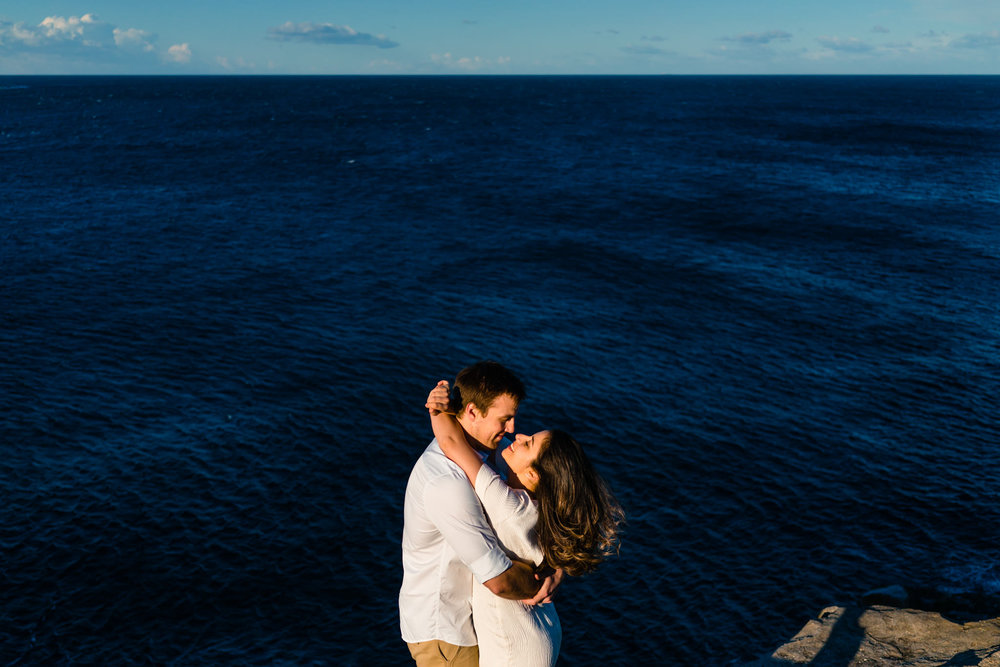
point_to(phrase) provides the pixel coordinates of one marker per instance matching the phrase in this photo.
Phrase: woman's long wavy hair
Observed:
(578, 517)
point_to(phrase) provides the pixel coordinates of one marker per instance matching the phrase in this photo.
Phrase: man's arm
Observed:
(453, 507)
(516, 583)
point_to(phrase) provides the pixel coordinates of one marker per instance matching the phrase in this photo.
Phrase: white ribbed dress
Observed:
(512, 634)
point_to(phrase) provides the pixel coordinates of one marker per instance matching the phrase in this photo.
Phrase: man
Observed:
(447, 540)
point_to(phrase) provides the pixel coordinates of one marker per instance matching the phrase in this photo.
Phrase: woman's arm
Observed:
(450, 435)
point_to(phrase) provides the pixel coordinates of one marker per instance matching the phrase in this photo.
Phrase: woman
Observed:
(554, 510)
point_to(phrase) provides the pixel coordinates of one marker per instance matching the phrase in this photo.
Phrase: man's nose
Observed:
(509, 428)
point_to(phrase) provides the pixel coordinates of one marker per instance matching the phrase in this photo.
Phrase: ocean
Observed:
(768, 307)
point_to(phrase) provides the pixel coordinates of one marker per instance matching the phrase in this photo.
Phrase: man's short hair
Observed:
(482, 383)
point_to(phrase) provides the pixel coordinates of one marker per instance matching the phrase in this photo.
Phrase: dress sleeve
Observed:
(453, 508)
(502, 503)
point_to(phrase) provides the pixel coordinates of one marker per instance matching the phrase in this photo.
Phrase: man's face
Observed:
(488, 428)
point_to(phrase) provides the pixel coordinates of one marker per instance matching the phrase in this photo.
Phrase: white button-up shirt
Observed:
(446, 542)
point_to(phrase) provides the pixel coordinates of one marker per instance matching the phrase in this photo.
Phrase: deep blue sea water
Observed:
(768, 306)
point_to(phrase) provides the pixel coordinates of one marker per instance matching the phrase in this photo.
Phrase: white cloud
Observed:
(79, 43)
(846, 45)
(58, 33)
(58, 27)
(238, 64)
(385, 65)
(931, 44)
(179, 53)
(14, 33)
(467, 64)
(135, 39)
(327, 33)
(821, 54)
(982, 40)
(645, 50)
(761, 37)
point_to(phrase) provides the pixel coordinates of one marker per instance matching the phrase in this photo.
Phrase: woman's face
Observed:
(523, 452)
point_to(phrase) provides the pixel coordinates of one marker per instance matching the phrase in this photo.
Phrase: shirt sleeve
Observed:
(452, 506)
(501, 502)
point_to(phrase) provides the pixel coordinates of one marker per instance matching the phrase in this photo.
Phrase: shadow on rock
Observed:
(900, 627)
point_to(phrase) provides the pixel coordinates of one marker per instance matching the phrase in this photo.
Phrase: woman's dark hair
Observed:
(578, 516)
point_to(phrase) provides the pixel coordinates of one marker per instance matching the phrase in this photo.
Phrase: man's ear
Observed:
(471, 412)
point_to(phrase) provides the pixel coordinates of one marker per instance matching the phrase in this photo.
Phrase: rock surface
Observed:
(853, 636)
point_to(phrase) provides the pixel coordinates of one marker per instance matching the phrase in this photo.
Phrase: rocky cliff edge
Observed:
(898, 627)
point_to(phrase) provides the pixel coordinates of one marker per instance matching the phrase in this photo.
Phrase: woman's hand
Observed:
(437, 400)
(551, 579)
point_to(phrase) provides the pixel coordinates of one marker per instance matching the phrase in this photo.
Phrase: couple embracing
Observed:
(477, 586)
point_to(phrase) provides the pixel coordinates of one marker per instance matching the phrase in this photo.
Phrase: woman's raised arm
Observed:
(449, 433)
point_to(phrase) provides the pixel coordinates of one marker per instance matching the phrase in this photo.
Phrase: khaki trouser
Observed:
(436, 653)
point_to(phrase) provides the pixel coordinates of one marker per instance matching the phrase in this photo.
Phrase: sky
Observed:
(500, 37)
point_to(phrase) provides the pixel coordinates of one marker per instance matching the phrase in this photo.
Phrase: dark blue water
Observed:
(768, 306)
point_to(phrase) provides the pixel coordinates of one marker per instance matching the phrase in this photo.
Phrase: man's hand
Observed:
(514, 582)
(549, 585)
(437, 400)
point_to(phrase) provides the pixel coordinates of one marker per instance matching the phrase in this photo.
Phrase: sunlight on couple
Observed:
(488, 538)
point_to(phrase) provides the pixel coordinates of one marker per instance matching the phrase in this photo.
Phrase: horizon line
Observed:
(497, 75)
